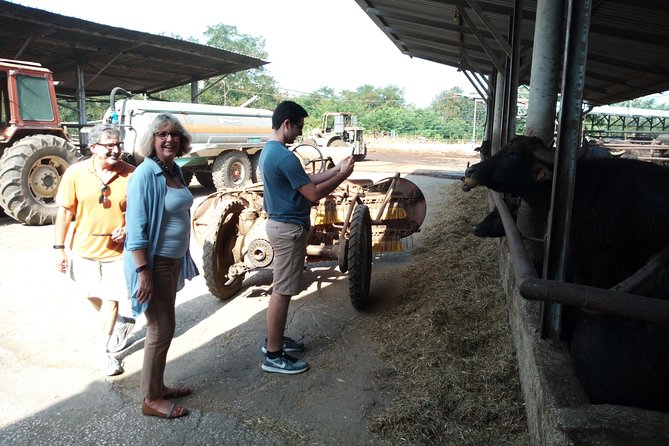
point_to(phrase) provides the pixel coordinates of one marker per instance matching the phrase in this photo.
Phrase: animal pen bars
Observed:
(575, 58)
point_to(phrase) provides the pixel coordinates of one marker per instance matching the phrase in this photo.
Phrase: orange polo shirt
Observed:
(80, 190)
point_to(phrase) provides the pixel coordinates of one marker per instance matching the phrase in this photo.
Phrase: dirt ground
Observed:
(52, 395)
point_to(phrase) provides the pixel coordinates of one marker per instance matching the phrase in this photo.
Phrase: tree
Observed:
(236, 88)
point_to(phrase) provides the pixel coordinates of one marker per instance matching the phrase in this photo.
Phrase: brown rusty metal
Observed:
(597, 300)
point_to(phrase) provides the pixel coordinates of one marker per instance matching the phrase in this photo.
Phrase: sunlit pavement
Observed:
(52, 395)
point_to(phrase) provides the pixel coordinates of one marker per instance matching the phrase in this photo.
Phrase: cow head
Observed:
(517, 168)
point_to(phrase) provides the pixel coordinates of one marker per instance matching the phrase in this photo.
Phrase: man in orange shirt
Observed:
(94, 192)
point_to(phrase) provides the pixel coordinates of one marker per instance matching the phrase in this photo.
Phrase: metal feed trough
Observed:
(358, 218)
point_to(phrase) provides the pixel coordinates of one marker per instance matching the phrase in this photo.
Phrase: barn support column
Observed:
(497, 124)
(542, 108)
(545, 74)
(81, 95)
(568, 140)
(512, 64)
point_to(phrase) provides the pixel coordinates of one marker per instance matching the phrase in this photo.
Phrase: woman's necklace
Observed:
(174, 173)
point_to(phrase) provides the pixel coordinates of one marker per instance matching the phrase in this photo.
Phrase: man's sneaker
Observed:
(109, 365)
(284, 364)
(120, 338)
(289, 345)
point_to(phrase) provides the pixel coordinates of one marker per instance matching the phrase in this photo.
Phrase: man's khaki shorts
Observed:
(289, 242)
(104, 280)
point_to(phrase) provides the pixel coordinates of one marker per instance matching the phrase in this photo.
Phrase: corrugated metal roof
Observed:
(109, 56)
(628, 49)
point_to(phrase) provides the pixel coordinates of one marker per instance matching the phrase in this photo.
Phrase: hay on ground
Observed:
(447, 341)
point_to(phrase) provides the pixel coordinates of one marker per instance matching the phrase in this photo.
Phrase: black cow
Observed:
(619, 220)
(490, 226)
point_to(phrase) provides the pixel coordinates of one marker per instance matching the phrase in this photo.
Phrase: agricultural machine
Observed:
(357, 219)
(339, 131)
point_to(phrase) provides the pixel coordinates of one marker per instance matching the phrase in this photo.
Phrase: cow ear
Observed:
(541, 174)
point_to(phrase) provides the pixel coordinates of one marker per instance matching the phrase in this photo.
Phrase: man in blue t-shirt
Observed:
(288, 194)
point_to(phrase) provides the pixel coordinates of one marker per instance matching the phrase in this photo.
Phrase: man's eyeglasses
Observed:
(111, 145)
(298, 125)
(163, 135)
(103, 196)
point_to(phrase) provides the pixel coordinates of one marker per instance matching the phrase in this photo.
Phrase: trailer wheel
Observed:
(30, 172)
(360, 257)
(205, 178)
(231, 169)
(256, 177)
(188, 176)
(218, 251)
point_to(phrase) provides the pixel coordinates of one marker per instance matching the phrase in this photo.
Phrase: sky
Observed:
(311, 43)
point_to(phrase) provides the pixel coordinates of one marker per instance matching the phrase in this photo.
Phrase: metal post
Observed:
(81, 95)
(545, 75)
(573, 81)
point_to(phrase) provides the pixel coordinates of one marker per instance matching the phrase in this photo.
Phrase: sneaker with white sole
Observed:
(289, 345)
(285, 364)
(120, 338)
(109, 365)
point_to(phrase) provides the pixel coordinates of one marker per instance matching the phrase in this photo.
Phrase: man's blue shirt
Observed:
(282, 175)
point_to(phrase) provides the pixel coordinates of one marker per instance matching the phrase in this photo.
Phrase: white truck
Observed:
(226, 141)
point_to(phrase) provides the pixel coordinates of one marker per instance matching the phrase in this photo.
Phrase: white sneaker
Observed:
(120, 337)
(109, 365)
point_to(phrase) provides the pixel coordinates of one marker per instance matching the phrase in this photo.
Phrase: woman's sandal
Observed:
(176, 392)
(173, 412)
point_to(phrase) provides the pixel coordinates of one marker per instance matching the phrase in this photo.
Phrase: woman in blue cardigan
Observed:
(156, 256)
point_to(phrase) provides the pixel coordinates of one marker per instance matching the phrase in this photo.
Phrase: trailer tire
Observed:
(205, 178)
(256, 177)
(218, 251)
(231, 169)
(360, 257)
(188, 176)
(30, 172)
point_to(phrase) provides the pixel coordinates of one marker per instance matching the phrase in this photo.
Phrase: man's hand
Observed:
(61, 261)
(118, 235)
(346, 166)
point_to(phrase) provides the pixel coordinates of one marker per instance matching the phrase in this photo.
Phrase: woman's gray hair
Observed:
(99, 130)
(159, 123)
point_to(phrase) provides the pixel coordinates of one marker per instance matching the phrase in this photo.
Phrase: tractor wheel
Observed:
(204, 178)
(337, 143)
(231, 169)
(218, 251)
(30, 172)
(361, 156)
(360, 257)
(256, 177)
(342, 256)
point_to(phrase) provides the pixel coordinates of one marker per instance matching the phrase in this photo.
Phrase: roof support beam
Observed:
(484, 44)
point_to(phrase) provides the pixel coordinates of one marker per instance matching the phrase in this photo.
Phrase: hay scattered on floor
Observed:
(447, 340)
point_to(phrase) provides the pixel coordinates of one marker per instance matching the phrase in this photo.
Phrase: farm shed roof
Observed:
(109, 56)
(628, 48)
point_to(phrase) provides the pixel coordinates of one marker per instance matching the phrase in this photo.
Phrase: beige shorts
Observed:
(289, 242)
(94, 278)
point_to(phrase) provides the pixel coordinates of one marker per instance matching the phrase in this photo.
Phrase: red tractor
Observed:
(34, 145)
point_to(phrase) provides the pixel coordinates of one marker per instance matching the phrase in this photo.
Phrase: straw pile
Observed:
(447, 343)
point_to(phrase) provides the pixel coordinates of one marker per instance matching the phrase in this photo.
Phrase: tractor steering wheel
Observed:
(311, 158)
